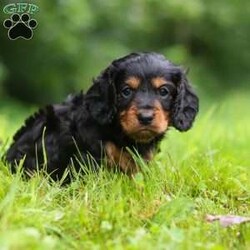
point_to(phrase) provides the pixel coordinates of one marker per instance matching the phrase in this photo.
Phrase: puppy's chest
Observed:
(122, 158)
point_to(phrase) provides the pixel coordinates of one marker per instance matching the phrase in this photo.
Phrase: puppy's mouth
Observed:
(144, 135)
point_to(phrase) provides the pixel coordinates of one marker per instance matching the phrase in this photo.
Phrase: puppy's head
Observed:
(145, 94)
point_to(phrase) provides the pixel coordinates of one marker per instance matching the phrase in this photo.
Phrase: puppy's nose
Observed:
(146, 117)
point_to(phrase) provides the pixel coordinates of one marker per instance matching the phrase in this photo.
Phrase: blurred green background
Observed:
(76, 39)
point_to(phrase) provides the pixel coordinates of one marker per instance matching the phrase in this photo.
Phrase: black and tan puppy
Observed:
(129, 106)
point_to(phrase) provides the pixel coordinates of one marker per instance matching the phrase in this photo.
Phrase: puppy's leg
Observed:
(121, 158)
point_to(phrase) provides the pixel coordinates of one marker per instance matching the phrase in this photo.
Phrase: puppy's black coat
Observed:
(131, 104)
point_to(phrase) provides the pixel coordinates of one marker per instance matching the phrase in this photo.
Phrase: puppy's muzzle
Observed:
(145, 116)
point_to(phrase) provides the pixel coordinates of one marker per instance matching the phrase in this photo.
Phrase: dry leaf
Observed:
(227, 220)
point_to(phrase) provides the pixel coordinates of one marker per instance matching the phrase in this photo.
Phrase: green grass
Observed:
(204, 171)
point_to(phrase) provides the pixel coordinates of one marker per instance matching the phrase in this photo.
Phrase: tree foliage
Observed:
(76, 39)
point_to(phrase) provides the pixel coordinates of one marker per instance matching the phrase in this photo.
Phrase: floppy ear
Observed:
(101, 97)
(186, 105)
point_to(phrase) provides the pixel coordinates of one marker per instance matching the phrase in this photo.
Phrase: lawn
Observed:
(204, 171)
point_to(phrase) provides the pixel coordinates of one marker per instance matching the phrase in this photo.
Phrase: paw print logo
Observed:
(20, 26)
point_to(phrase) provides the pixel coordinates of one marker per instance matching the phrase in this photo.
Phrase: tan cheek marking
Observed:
(157, 82)
(133, 82)
(128, 119)
(162, 117)
(121, 158)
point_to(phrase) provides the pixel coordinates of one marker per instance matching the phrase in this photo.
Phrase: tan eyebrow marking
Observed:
(133, 82)
(158, 81)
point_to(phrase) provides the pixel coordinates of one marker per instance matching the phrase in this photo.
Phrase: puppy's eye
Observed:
(163, 91)
(127, 92)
